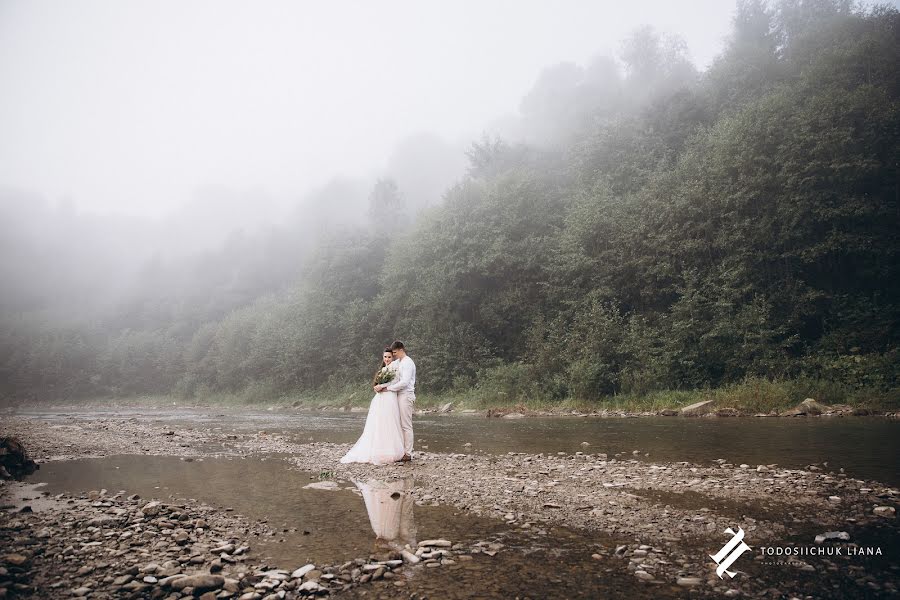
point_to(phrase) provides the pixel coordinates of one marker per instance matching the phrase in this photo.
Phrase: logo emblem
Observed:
(730, 552)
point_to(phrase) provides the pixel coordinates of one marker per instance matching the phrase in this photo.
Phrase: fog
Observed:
(144, 143)
(193, 194)
(143, 108)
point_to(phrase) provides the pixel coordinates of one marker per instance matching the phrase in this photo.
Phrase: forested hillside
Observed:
(657, 228)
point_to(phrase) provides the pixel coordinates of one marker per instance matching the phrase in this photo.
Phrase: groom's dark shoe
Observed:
(406, 458)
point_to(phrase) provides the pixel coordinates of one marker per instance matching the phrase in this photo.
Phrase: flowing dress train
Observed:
(381, 441)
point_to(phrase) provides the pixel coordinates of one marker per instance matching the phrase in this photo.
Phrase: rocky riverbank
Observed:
(655, 522)
(103, 545)
(703, 408)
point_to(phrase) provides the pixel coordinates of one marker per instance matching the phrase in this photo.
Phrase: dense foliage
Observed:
(662, 229)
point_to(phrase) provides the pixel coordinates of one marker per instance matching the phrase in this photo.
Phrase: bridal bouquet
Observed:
(384, 375)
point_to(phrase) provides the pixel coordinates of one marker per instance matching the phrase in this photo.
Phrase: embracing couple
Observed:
(388, 434)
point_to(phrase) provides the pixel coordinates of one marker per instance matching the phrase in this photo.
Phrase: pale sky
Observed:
(130, 106)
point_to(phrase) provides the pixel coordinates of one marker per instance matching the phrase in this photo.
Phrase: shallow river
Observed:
(866, 447)
(365, 517)
(359, 519)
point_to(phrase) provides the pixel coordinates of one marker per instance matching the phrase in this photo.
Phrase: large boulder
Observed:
(697, 409)
(14, 460)
(808, 407)
(813, 408)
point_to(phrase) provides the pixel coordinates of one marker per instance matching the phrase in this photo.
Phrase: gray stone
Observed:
(152, 508)
(310, 586)
(832, 535)
(696, 409)
(813, 408)
(167, 580)
(199, 583)
(302, 571)
(321, 485)
(807, 407)
(435, 543)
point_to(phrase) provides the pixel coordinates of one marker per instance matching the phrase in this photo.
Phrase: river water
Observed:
(358, 519)
(865, 447)
(325, 527)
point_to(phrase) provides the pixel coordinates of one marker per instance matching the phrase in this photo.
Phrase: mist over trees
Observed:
(639, 226)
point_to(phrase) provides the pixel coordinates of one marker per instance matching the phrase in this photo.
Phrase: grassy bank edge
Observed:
(753, 396)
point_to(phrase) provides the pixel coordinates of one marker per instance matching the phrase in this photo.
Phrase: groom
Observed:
(405, 386)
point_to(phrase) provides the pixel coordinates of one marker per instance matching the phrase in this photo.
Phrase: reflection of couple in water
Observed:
(390, 508)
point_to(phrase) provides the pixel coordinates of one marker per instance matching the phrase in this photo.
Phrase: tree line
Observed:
(659, 228)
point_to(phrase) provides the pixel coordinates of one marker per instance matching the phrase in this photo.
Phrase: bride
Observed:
(381, 441)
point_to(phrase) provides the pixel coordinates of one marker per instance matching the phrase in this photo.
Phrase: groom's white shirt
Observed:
(406, 377)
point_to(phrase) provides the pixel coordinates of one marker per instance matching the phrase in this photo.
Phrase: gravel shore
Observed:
(654, 522)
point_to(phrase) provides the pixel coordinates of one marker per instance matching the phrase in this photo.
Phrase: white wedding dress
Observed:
(381, 441)
(390, 508)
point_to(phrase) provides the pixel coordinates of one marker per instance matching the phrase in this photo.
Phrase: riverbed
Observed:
(865, 447)
(546, 507)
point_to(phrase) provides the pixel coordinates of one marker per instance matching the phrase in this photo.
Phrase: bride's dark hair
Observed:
(386, 349)
(381, 366)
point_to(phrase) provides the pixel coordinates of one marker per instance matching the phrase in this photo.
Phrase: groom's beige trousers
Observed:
(407, 401)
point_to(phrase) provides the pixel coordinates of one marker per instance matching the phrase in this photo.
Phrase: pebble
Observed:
(567, 481)
(199, 583)
(299, 573)
(322, 485)
(435, 544)
(832, 535)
